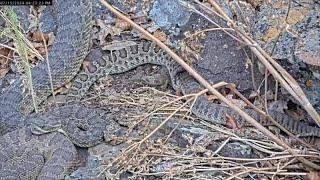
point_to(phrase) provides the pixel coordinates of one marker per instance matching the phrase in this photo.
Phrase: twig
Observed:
(208, 30)
(49, 69)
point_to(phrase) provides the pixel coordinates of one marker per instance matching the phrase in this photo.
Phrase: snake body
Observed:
(68, 51)
(24, 155)
(47, 156)
(85, 127)
(50, 155)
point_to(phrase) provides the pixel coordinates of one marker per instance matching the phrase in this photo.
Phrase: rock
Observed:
(292, 35)
(225, 61)
(169, 14)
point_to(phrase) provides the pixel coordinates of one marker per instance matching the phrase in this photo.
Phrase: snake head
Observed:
(43, 125)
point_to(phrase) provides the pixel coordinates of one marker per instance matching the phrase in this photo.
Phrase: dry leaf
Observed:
(178, 92)
(192, 48)
(50, 39)
(5, 59)
(37, 45)
(3, 72)
(68, 85)
(117, 45)
(140, 19)
(297, 114)
(60, 90)
(42, 51)
(255, 3)
(122, 25)
(231, 122)
(86, 65)
(6, 52)
(58, 99)
(309, 83)
(253, 95)
(238, 102)
(160, 35)
(212, 97)
(37, 37)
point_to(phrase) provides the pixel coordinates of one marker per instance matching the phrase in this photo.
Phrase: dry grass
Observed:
(23, 47)
(154, 155)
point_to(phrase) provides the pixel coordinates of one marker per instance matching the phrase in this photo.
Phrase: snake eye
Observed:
(36, 129)
(82, 127)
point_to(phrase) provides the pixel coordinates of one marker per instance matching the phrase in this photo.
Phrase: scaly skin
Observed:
(24, 155)
(65, 58)
(85, 127)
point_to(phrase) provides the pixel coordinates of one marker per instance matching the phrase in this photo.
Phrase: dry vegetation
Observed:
(152, 154)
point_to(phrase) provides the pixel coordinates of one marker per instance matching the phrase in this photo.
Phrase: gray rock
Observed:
(226, 62)
(169, 13)
(298, 31)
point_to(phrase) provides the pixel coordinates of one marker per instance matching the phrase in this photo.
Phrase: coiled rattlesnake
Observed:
(49, 156)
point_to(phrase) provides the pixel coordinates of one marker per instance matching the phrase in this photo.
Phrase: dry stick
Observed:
(161, 107)
(138, 144)
(6, 57)
(49, 69)
(208, 30)
(278, 72)
(217, 85)
(29, 45)
(8, 47)
(253, 45)
(287, 86)
(224, 158)
(208, 86)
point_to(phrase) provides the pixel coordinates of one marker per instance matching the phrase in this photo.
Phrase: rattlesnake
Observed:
(47, 156)
(68, 51)
(24, 155)
(70, 47)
